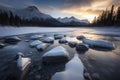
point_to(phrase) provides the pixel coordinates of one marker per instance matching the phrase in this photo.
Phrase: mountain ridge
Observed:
(33, 15)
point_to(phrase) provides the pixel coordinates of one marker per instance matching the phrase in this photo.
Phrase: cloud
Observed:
(61, 8)
(78, 3)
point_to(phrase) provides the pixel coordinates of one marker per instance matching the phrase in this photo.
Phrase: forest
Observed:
(109, 17)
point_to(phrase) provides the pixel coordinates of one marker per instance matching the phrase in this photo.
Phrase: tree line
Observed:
(108, 18)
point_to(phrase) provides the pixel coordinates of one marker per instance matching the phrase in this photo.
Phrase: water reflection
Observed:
(88, 33)
(73, 70)
(48, 71)
(73, 39)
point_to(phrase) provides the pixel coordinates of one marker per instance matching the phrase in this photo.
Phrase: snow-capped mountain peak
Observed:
(72, 19)
(26, 13)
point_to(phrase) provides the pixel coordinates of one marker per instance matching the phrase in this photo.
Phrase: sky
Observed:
(81, 9)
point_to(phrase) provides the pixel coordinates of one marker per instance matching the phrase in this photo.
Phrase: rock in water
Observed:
(22, 62)
(35, 43)
(99, 44)
(82, 47)
(36, 36)
(56, 55)
(41, 47)
(63, 41)
(2, 45)
(48, 40)
(58, 36)
(80, 37)
(74, 70)
(72, 44)
(12, 40)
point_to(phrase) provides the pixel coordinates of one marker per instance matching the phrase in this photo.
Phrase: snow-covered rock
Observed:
(82, 47)
(23, 63)
(57, 54)
(12, 40)
(36, 36)
(58, 36)
(63, 41)
(72, 44)
(20, 54)
(26, 40)
(80, 37)
(99, 43)
(2, 45)
(42, 46)
(35, 43)
(48, 40)
(74, 70)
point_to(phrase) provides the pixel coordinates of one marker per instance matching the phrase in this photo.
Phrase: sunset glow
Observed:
(81, 9)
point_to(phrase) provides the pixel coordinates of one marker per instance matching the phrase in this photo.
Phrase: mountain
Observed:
(31, 16)
(72, 19)
(26, 13)
(28, 16)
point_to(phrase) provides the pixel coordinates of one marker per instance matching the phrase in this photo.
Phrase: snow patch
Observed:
(35, 43)
(48, 40)
(22, 63)
(57, 54)
(99, 43)
(41, 46)
(36, 36)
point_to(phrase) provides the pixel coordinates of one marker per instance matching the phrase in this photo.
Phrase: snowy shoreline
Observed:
(9, 30)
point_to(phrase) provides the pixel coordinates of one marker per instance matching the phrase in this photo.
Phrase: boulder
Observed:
(74, 70)
(41, 46)
(22, 62)
(80, 37)
(2, 45)
(58, 36)
(12, 40)
(72, 44)
(99, 44)
(36, 37)
(48, 40)
(63, 41)
(56, 55)
(81, 47)
(35, 43)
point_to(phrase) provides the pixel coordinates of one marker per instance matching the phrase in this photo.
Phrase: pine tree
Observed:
(118, 17)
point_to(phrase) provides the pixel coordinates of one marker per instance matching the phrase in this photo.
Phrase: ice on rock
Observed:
(48, 40)
(57, 54)
(35, 43)
(22, 62)
(42, 46)
(82, 47)
(2, 45)
(72, 44)
(80, 37)
(63, 41)
(99, 43)
(12, 40)
(74, 70)
(36, 36)
(58, 36)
